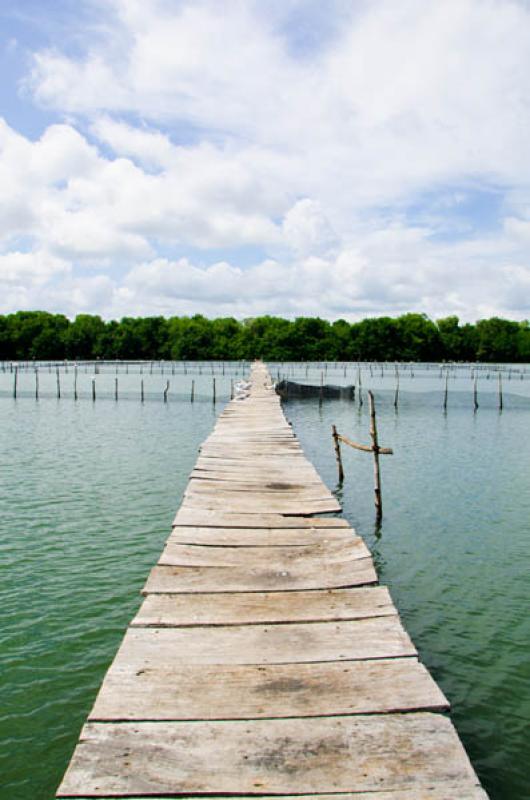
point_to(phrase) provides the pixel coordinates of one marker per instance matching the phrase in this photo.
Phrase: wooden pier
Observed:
(265, 659)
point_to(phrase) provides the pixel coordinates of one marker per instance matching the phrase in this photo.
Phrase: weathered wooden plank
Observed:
(331, 754)
(260, 578)
(161, 610)
(226, 519)
(376, 637)
(259, 537)
(241, 503)
(175, 692)
(175, 554)
(443, 791)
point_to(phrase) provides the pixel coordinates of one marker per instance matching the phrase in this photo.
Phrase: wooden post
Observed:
(115, 388)
(75, 382)
(93, 389)
(396, 395)
(58, 384)
(375, 448)
(446, 391)
(360, 387)
(192, 398)
(36, 383)
(213, 390)
(500, 392)
(475, 394)
(337, 453)
(231, 388)
(166, 390)
(142, 390)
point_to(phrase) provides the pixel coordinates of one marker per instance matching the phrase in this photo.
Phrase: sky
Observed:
(242, 157)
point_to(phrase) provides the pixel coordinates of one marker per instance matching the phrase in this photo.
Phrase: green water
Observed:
(87, 494)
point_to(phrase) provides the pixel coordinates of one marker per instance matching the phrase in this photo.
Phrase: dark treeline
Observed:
(411, 337)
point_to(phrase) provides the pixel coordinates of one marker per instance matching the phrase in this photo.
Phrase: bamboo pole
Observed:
(500, 392)
(475, 394)
(58, 383)
(142, 390)
(93, 390)
(36, 383)
(231, 388)
(213, 390)
(192, 398)
(115, 388)
(375, 448)
(166, 390)
(75, 382)
(446, 392)
(337, 453)
(396, 394)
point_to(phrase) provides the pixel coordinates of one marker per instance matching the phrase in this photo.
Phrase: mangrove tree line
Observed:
(411, 337)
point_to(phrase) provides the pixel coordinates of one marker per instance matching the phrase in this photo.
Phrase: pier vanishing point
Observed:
(265, 660)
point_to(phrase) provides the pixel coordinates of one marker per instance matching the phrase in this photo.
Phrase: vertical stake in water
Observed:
(166, 390)
(192, 398)
(115, 388)
(359, 381)
(93, 390)
(75, 382)
(231, 388)
(36, 383)
(500, 392)
(321, 395)
(213, 390)
(375, 448)
(58, 384)
(446, 391)
(338, 456)
(396, 395)
(142, 390)
(475, 394)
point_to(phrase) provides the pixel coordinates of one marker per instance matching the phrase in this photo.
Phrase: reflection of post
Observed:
(375, 448)
(337, 453)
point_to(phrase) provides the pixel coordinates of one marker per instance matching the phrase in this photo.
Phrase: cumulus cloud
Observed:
(215, 157)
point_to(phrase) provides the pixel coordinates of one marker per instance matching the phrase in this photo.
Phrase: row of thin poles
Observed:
(116, 393)
(153, 367)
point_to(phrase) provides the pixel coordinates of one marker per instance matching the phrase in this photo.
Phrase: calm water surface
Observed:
(87, 494)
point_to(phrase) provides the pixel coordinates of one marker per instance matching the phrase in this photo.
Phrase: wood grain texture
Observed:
(278, 557)
(259, 537)
(289, 643)
(206, 518)
(168, 691)
(174, 610)
(169, 580)
(330, 754)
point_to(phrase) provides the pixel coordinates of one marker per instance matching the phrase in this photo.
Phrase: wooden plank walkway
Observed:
(265, 660)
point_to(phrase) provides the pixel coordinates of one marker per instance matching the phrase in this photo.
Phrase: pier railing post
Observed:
(338, 455)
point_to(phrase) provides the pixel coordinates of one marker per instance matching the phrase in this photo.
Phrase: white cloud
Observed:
(203, 126)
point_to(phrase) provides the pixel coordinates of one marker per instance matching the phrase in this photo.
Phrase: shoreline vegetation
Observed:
(40, 335)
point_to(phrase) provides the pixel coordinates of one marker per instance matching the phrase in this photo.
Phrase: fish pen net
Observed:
(287, 389)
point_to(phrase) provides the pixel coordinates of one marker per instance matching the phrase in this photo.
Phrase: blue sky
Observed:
(293, 157)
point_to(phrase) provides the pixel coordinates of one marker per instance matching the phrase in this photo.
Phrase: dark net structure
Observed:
(288, 389)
